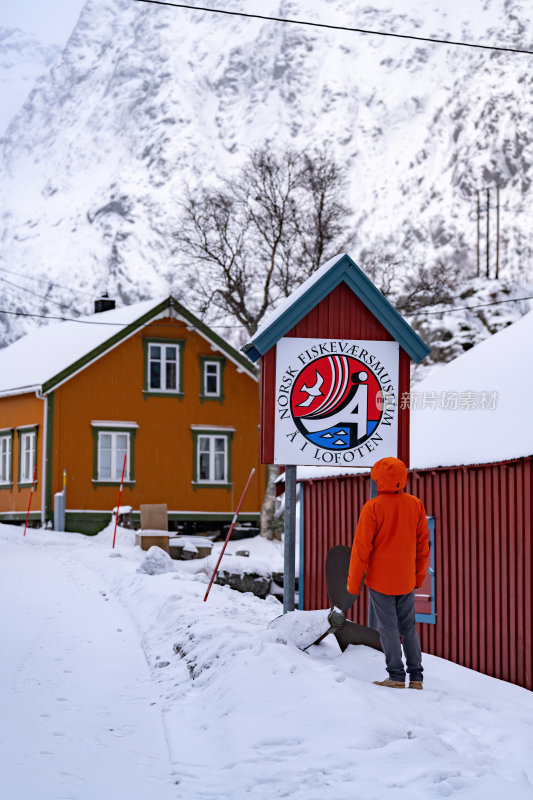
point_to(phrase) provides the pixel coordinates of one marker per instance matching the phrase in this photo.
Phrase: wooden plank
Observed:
(527, 492)
(467, 569)
(519, 574)
(489, 578)
(504, 573)
(497, 570)
(483, 550)
(512, 631)
(268, 400)
(454, 572)
(461, 611)
(404, 384)
(474, 556)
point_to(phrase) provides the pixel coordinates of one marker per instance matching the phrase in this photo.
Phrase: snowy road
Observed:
(116, 684)
(78, 716)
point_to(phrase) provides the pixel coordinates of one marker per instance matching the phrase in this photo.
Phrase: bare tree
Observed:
(256, 235)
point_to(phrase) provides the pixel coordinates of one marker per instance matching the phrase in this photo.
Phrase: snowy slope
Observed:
(145, 98)
(22, 60)
(243, 714)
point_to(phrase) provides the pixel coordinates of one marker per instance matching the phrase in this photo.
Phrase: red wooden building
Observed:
(479, 610)
(468, 440)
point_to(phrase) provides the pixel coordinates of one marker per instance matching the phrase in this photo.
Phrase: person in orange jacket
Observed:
(391, 551)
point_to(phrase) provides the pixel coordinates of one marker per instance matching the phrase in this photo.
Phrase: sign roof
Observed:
(340, 268)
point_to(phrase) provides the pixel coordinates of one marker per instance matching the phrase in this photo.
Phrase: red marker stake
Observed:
(31, 495)
(233, 521)
(119, 496)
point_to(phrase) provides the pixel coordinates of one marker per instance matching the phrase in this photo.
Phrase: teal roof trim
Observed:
(342, 269)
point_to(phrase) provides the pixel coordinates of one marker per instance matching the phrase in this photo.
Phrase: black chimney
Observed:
(104, 303)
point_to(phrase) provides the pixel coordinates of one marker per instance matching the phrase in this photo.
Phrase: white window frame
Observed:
(212, 432)
(114, 429)
(116, 467)
(212, 437)
(218, 390)
(163, 388)
(6, 458)
(27, 437)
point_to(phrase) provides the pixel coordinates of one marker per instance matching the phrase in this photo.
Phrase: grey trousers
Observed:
(396, 619)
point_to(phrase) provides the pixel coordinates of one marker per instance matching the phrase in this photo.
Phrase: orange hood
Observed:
(390, 474)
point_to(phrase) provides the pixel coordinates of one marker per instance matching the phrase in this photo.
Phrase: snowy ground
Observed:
(120, 684)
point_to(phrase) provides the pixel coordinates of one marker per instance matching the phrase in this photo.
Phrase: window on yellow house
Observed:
(113, 442)
(212, 375)
(6, 459)
(212, 456)
(163, 366)
(27, 454)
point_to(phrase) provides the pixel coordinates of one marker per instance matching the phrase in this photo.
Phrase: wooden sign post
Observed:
(335, 364)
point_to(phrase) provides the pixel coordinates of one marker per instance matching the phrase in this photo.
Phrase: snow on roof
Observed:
(472, 410)
(480, 400)
(287, 302)
(314, 289)
(40, 355)
(315, 473)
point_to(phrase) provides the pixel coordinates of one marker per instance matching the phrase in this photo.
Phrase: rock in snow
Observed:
(156, 562)
(245, 581)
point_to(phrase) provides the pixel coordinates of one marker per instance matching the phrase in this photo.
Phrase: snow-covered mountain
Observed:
(22, 60)
(146, 97)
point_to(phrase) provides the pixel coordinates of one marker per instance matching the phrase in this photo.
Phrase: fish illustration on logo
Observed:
(336, 402)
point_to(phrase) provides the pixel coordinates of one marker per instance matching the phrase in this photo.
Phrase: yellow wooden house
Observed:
(149, 382)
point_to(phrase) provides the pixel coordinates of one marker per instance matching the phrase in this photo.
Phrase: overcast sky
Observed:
(51, 21)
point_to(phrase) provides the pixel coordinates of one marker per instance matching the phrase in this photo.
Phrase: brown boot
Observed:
(416, 685)
(391, 684)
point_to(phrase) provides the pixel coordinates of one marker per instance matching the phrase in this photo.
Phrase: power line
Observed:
(35, 294)
(63, 319)
(465, 308)
(339, 27)
(91, 322)
(125, 324)
(46, 281)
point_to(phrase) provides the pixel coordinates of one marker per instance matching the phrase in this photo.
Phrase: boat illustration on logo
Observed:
(336, 402)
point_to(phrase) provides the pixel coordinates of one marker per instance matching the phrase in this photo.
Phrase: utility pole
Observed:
(289, 541)
(488, 233)
(477, 226)
(497, 232)
(485, 209)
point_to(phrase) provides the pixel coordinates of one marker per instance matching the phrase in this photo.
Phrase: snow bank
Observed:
(247, 716)
(254, 717)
